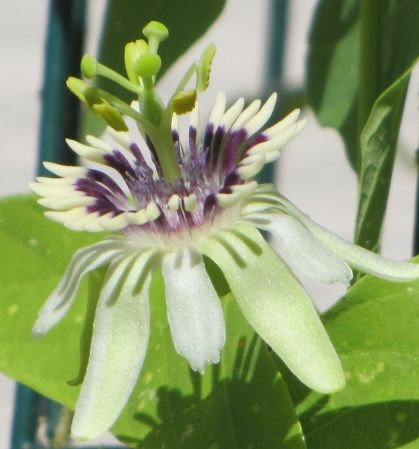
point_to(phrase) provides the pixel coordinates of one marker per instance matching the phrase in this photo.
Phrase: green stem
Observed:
(369, 63)
(163, 144)
(125, 108)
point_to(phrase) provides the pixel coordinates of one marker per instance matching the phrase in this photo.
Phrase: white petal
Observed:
(218, 109)
(120, 137)
(231, 114)
(194, 117)
(306, 252)
(251, 165)
(71, 202)
(276, 306)
(48, 190)
(86, 151)
(283, 125)
(358, 257)
(194, 310)
(55, 181)
(61, 299)
(98, 143)
(119, 343)
(277, 142)
(65, 171)
(246, 115)
(262, 116)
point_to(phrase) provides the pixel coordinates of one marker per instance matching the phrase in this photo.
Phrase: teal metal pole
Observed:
(274, 64)
(60, 108)
(59, 119)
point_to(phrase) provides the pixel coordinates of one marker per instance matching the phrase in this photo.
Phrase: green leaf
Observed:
(35, 253)
(378, 147)
(375, 330)
(240, 403)
(333, 84)
(332, 76)
(187, 20)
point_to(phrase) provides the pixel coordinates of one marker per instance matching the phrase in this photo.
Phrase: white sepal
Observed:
(276, 306)
(356, 256)
(119, 343)
(306, 252)
(194, 310)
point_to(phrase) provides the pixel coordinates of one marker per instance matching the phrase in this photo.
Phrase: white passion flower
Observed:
(167, 201)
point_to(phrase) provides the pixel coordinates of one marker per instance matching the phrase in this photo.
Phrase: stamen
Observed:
(204, 67)
(91, 68)
(133, 50)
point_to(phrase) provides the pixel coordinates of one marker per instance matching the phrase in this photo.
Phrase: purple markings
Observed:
(192, 141)
(210, 203)
(232, 147)
(259, 138)
(144, 168)
(225, 190)
(108, 195)
(120, 163)
(92, 188)
(102, 207)
(176, 147)
(232, 179)
(154, 157)
(216, 147)
(105, 180)
(209, 132)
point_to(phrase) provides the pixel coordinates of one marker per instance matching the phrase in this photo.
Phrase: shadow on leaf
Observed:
(242, 404)
(387, 425)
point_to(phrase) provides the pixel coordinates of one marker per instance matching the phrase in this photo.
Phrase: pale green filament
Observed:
(91, 68)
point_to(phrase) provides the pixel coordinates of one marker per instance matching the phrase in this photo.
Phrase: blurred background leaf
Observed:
(334, 85)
